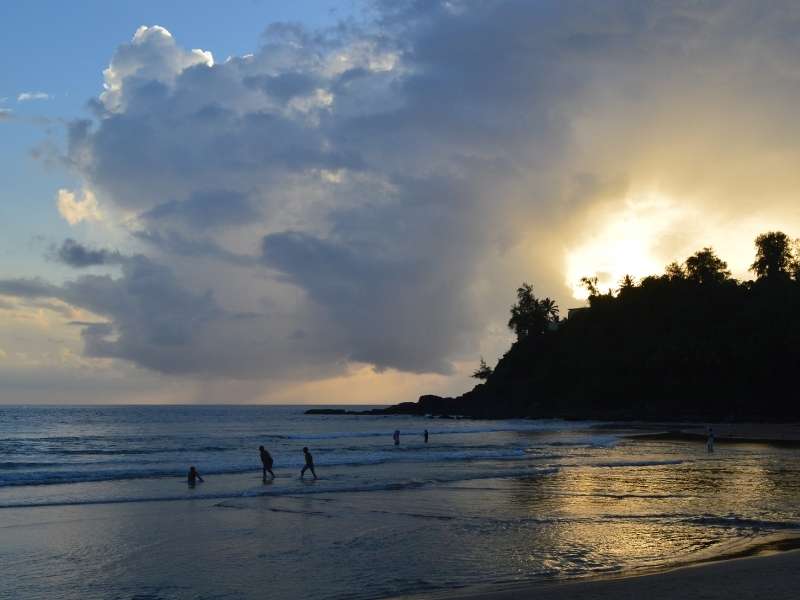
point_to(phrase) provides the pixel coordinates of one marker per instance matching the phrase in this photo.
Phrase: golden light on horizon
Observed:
(653, 229)
(627, 242)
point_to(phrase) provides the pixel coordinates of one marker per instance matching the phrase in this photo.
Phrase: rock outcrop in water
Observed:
(692, 344)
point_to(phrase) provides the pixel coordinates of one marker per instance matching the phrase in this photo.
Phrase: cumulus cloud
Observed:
(74, 209)
(383, 186)
(150, 59)
(27, 96)
(5, 114)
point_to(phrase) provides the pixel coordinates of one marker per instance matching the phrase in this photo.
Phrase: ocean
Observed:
(94, 503)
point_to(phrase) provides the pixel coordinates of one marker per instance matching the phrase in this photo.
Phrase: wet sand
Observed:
(776, 576)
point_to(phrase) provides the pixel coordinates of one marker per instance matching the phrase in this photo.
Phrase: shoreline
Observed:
(770, 569)
(786, 435)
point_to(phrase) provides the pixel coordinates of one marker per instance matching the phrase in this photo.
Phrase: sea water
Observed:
(94, 502)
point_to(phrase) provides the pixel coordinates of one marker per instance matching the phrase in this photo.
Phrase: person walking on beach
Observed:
(309, 464)
(266, 463)
(396, 437)
(710, 442)
(425, 435)
(193, 477)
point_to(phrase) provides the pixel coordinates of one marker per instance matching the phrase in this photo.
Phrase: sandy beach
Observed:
(774, 576)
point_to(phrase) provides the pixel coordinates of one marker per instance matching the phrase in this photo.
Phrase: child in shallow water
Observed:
(194, 477)
(266, 463)
(309, 464)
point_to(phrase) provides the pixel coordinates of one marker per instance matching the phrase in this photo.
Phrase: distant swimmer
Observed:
(396, 437)
(193, 477)
(309, 464)
(266, 463)
(425, 435)
(710, 442)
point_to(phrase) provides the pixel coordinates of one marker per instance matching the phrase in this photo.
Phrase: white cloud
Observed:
(152, 56)
(26, 96)
(75, 210)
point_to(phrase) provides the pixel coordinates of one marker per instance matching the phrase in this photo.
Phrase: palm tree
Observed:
(590, 283)
(484, 371)
(549, 309)
(530, 315)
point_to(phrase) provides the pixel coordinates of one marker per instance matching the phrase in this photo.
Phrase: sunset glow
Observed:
(627, 242)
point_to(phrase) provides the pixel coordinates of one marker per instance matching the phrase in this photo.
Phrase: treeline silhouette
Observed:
(692, 343)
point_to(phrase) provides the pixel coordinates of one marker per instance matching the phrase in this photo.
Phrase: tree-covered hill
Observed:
(692, 343)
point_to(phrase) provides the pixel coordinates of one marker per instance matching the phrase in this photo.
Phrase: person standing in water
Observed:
(266, 463)
(396, 437)
(309, 464)
(710, 442)
(425, 435)
(193, 477)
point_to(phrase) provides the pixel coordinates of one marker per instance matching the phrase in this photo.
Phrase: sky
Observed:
(334, 202)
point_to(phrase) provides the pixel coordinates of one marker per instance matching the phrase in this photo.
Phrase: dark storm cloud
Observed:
(402, 176)
(366, 293)
(26, 287)
(204, 209)
(285, 86)
(77, 255)
(390, 267)
(174, 242)
(154, 321)
(87, 324)
(158, 323)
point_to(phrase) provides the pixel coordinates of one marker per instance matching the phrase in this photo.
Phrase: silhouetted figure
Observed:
(193, 477)
(266, 463)
(425, 435)
(710, 442)
(396, 437)
(309, 464)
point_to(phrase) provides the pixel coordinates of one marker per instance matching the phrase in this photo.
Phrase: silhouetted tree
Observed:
(484, 371)
(674, 271)
(659, 349)
(530, 316)
(550, 309)
(705, 267)
(795, 268)
(590, 283)
(774, 258)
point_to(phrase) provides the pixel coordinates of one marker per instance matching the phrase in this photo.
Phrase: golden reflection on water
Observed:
(648, 515)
